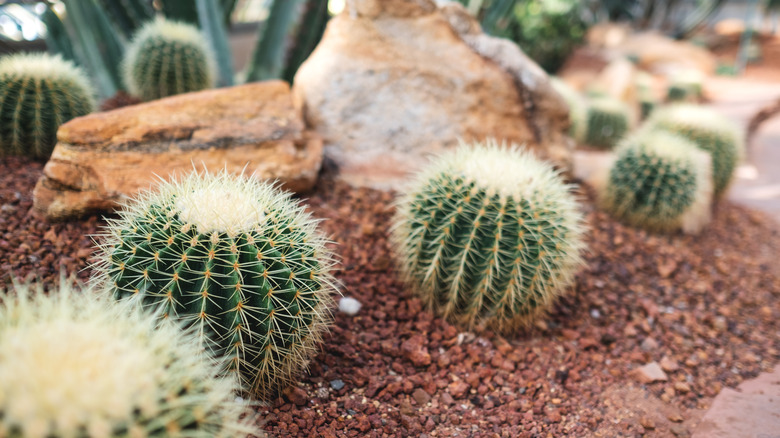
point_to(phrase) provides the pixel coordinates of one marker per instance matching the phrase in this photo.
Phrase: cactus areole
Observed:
(488, 236)
(234, 256)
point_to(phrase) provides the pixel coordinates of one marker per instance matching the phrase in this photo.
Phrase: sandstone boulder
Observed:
(103, 158)
(394, 81)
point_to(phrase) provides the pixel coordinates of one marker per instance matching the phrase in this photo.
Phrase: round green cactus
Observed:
(709, 131)
(607, 122)
(233, 256)
(644, 91)
(685, 86)
(577, 108)
(166, 58)
(79, 365)
(659, 181)
(38, 93)
(488, 236)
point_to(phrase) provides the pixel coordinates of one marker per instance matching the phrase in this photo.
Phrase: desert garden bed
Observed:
(700, 306)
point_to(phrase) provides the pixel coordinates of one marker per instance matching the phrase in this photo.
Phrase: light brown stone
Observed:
(394, 81)
(103, 158)
(650, 373)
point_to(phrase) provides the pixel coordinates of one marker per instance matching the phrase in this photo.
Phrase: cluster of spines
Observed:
(77, 364)
(259, 295)
(709, 131)
(166, 58)
(488, 253)
(607, 122)
(659, 181)
(38, 93)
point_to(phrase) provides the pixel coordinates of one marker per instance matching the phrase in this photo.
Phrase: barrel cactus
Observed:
(38, 93)
(645, 94)
(577, 108)
(607, 122)
(235, 257)
(73, 364)
(659, 181)
(488, 236)
(708, 130)
(686, 86)
(166, 58)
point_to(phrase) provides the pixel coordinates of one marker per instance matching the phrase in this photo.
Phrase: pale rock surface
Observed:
(750, 410)
(103, 158)
(394, 81)
(650, 373)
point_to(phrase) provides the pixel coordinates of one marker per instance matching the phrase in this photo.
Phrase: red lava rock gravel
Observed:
(703, 308)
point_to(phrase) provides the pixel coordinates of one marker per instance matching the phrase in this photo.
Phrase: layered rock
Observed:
(394, 81)
(103, 158)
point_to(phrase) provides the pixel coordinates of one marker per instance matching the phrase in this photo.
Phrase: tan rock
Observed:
(102, 158)
(650, 373)
(661, 55)
(393, 81)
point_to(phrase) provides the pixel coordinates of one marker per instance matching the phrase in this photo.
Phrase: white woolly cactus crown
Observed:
(76, 364)
(43, 66)
(488, 235)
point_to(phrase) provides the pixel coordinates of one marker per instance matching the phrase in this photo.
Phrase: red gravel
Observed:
(704, 305)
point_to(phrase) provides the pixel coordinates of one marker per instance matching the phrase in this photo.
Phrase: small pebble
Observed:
(337, 384)
(349, 305)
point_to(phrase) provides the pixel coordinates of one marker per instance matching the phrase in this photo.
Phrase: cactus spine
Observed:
(166, 58)
(234, 257)
(488, 236)
(659, 181)
(607, 122)
(76, 365)
(38, 93)
(709, 131)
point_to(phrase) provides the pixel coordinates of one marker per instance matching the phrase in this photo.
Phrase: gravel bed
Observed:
(705, 308)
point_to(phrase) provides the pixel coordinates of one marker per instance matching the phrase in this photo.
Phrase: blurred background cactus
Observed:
(709, 131)
(74, 364)
(96, 33)
(659, 181)
(38, 93)
(236, 258)
(489, 236)
(686, 86)
(168, 57)
(578, 108)
(608, 120)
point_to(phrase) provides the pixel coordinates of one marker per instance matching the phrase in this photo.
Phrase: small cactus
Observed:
(38, 93)
(709, 131)
(166, 58)
(607, 122)
(686, 86)
(659, 181)
(645, 94)
(577, 108)
(233, 256)
(74, 364)
(488, 236)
